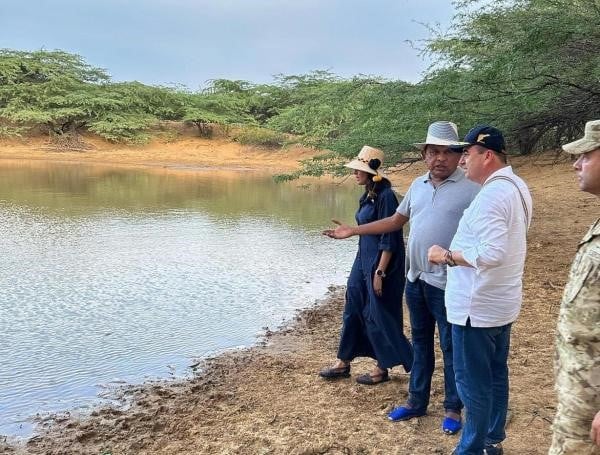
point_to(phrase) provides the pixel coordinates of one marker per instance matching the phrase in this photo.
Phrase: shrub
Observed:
(11, 132)
(260, 136)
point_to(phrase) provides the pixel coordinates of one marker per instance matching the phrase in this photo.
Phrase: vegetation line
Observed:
(530, 67)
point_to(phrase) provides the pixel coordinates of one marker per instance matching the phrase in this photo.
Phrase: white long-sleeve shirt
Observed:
(492, 238)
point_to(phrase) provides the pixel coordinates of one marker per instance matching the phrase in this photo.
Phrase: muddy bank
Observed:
(268, 399)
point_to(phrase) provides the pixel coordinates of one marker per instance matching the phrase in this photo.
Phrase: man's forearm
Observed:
(383, 226)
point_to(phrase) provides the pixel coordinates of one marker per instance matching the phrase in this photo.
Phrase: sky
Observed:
(189, 42)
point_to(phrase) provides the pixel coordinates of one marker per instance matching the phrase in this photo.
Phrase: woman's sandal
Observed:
(368, 379)
(335, 372)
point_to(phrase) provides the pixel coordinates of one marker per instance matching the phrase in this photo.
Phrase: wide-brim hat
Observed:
(369, 160)
(441, 133)
(590, 140)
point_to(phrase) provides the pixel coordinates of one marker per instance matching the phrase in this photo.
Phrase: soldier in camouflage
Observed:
(577, 422)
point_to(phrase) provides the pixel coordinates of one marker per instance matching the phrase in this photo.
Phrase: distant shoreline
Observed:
(184, 153)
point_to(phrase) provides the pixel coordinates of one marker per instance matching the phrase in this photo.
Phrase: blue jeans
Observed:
(480, 365)
(426, 307)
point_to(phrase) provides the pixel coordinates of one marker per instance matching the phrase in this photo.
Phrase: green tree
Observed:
(206, 109)
(133, 110)
(320, 105)
(53, 88)
(530, 66)
(67, 95)
(261, 102)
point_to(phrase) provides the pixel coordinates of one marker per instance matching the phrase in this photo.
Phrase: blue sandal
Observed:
(405, 413)
(451, 426)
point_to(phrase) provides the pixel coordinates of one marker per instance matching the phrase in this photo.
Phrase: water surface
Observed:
(110, 275)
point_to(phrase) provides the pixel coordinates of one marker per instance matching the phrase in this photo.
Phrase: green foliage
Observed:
(66, 95)
(259, 136)
(529, 66)
(260, 102)
(11, 131)
(163, 103)
(213, 107)
(52, 88)
(123, 127)
(38, 67)
(320, 105)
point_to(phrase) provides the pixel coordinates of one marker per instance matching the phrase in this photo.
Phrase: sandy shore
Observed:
(268, 398)
(184, 153)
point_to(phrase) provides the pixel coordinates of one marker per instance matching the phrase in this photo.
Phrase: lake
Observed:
(114, 275)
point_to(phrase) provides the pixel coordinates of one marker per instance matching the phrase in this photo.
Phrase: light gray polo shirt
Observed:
(434, 214)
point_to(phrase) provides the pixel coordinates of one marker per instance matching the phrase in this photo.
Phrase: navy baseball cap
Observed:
(486, 136)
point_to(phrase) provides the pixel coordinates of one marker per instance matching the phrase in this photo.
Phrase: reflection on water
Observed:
(111, 275)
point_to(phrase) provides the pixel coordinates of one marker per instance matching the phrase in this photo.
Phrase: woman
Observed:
(372, 320)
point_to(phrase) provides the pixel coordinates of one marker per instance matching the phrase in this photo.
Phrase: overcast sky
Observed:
(191, 41)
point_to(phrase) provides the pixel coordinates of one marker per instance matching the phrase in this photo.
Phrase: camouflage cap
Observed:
(590, 140)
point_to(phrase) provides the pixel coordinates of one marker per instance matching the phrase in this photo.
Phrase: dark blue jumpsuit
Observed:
(373, 326)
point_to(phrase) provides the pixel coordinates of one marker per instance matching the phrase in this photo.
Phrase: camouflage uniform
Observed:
(577, 360)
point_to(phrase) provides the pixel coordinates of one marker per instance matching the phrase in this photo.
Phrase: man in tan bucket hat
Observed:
(577, 361)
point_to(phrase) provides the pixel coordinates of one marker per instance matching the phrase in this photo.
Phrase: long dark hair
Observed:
(375, 186)
(372, 189)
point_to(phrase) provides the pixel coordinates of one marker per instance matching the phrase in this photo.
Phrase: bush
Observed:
(260, 136)
(11, 132)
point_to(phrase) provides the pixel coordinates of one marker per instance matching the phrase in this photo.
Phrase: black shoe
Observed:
(368, 379)
(490, 449)
(493, 449)
(335, 373)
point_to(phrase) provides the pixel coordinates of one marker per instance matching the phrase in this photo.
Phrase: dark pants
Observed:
(426, 307)
(480, 365)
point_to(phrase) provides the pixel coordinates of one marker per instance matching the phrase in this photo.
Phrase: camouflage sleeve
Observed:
(577, 358)
(579, 318)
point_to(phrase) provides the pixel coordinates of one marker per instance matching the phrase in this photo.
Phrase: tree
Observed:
(53, 88)
(530, 66)
(320, 105)
(134, 109)
(207, 109)
(62, 92)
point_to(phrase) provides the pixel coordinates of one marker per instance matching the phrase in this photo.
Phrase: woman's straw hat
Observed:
(368, 160)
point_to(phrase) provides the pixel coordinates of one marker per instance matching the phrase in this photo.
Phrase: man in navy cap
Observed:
(484, 289)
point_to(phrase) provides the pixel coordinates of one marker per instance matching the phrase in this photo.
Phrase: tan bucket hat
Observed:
(590, 140)
(361, 162)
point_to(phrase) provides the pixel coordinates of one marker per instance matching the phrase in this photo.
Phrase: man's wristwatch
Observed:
(448, 259)
(380, 273)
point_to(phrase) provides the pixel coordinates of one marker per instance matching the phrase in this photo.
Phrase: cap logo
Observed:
(481, 137)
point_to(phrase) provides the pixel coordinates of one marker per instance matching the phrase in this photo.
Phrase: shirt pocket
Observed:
(583, 270)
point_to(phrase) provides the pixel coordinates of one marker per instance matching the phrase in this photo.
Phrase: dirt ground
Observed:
(268, 399)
